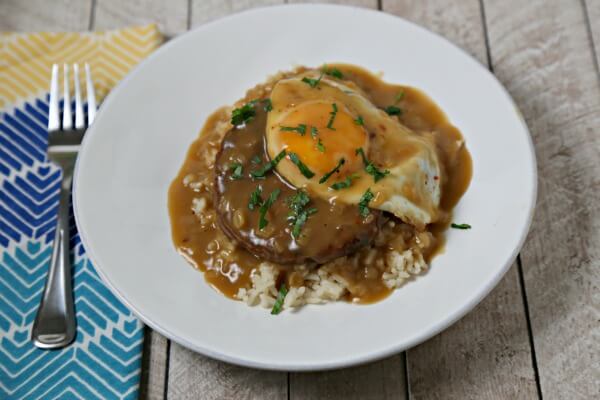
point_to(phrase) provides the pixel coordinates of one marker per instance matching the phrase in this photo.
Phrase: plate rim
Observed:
(389, 350)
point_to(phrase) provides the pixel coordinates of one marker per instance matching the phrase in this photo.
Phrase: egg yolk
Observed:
(337, 136)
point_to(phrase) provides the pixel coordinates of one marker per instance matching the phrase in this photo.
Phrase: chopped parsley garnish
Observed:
(345, 184)
(371, 168)
(312, 82)
(336, 73)
(314, 131)
(399, 97)
(393, 110)
(301, 129)
(460, 226)
(332, 117)
(333, 171)
(262, 221)
(298, 211)
(301, 166)
(236, 170)
(246, 113)
(363, 204)
(359, 121)
(267, 104)
(260, 173)
(255, 160)
(242, 115)
(255, 198)
(279, 301)
(320, 146)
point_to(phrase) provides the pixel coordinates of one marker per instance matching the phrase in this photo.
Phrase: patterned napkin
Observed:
(105, 360)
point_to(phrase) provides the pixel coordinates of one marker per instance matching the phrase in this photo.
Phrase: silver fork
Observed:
(54, 324)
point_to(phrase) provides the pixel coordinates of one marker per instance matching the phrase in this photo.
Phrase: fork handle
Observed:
(54, 325)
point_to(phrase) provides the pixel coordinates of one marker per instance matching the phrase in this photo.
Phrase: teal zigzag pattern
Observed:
(104, 362)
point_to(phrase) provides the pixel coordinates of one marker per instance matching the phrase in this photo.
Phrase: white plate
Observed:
(144, 128)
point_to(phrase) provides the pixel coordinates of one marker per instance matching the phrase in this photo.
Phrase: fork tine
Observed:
(53, 116)
(67, 122)
(91, 96)
(79, 122)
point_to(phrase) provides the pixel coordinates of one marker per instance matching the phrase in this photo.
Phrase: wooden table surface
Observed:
(537, 334)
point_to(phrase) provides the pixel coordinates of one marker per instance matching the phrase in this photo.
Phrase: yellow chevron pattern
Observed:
(26, 59)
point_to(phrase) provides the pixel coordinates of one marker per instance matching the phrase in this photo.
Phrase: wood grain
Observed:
(154, 372)
(193, 376)
(356, 3)
(486, 355)
(543, 55)
(41, 15)
(593, 19)
(171, 16)
(207, 10)
(384, 379)
(458, 21)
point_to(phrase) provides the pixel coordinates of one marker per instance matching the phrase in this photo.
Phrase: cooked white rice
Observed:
(323, 286)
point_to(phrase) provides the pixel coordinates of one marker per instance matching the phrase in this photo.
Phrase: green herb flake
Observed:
(314, 131)
(320, 146)
(243, 115)
(279, 301)
(363, 204)
(301, 129)
(313, 83)
(255, 160)
(298, 211)
(336, 73)
(301, 166)
(260, 173)
(262, 221)
(332, 114)
(460, 226)
(371, 168)
(359, 121)
(236, 169)
(393, 110)
(246, 113)
(399, 97)
(345, 184)
(333, 171)
(267, 105)
(255, 198)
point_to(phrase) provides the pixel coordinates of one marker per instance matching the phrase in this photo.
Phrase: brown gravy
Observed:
(227, 266)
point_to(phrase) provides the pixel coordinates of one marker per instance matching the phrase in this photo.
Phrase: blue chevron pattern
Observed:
(105, 360)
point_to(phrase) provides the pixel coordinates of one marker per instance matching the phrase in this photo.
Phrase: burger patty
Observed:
(329, 230)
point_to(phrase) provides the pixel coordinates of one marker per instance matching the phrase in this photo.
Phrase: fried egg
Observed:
(326, 125)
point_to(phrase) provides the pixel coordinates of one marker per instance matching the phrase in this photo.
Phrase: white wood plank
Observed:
(385, 379)
(171, 16)
(41, 15)
(486, 355)
(593, 12)
(356, 3)
(152, 385)
(207, 10)
(458, 21)
(541, 51)
(193, 376)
